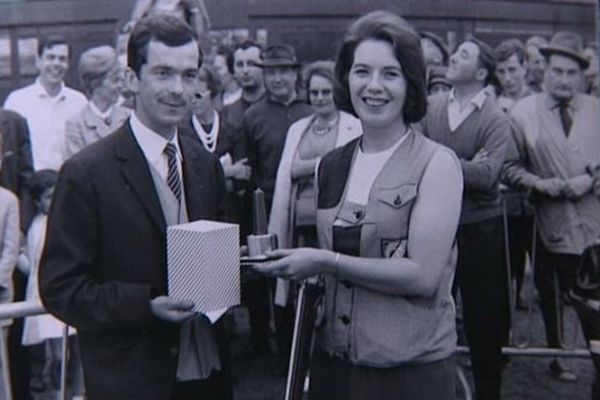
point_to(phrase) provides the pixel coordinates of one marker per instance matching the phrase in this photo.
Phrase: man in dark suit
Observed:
(15, 173)
(17, 165)
(104, 265)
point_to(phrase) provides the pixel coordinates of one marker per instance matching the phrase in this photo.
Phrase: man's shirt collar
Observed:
(551, 103)
(40, 90)
(476, 100)
(151, 143)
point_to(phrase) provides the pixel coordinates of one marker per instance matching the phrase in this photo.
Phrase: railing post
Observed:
(5, 363)
(63, 365)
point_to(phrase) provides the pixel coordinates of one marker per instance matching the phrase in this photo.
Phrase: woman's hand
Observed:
(297, 264)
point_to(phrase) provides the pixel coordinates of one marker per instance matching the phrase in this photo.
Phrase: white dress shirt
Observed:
(46, 117)
(456, 115)
(153, 146)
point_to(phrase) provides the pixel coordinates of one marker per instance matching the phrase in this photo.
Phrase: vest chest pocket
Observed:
(394, 206)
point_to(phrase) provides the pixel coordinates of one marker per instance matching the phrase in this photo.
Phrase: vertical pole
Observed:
(510, 297)
(5, 363)
(63, 365)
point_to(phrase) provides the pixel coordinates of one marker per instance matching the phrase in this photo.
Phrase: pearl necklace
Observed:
(208, 139)
(323, 130)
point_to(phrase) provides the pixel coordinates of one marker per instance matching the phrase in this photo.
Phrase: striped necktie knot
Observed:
(173, 180)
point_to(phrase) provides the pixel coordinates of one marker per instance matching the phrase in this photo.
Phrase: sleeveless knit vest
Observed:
(367, 327)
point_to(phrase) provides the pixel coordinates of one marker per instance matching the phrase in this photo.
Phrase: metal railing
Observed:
(522, 348)
(517, 348)
(26, 309)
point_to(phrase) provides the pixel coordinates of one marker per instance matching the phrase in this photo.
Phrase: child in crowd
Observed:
(9, 245)
(44, 332)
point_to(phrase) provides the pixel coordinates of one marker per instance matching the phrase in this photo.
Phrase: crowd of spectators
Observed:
(521, 121)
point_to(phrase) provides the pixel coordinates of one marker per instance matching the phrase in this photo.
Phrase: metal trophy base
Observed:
(258, 245)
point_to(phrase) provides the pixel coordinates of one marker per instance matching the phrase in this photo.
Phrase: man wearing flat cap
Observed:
(557, 138)
(102, 77)
(265, 127)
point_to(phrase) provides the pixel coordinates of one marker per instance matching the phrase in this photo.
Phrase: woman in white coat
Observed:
(308, 139)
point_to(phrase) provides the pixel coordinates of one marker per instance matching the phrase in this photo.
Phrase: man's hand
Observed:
(481, 155)
(552, 187)
(578, 186)
(169, 309)
(241, 170)
(596, 177)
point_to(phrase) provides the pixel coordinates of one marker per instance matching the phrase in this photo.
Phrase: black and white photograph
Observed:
(299, 200)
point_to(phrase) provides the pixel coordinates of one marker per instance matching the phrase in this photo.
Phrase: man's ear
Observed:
(481, 74)
(132, 83)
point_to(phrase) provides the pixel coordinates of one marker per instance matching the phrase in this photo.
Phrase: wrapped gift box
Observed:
(204, 265)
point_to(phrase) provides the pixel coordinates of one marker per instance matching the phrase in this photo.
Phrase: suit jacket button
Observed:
(174, 351)
(345, 319)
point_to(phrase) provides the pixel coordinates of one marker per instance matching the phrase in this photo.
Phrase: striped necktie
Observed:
(173, 174)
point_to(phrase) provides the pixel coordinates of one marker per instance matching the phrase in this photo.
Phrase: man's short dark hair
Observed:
(487, 60)
(46, 42)
(406, 43)
(508, 47)
(247, 44)
(160, 27)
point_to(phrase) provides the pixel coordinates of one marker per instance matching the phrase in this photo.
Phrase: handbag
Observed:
(586, 288)
(305, 204)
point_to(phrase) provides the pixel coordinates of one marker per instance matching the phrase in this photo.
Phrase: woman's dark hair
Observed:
(227, 54)
(209, 75)
(41, 181)
(388, 27)
(324, 69)
(161, 27)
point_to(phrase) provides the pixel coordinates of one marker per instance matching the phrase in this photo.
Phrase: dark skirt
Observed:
(334, 378)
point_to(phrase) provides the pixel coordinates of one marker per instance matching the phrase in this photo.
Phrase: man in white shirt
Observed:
(469, 121)
(47, 103)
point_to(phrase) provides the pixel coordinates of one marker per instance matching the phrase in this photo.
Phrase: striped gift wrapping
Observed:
(204, 264)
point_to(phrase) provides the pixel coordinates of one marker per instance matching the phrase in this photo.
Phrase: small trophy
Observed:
(260, 241)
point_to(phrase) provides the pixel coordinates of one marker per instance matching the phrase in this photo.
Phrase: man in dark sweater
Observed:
(472, 124)
(265, 125)
(255, 292)
(247, 72)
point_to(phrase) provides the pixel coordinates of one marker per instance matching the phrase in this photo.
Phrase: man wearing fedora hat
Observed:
(557, 138)
(265, 125)
(267, 122)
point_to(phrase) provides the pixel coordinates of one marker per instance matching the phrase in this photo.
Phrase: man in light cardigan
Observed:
(557, 135)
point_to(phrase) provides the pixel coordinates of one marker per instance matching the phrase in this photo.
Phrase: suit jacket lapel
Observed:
(135, 170)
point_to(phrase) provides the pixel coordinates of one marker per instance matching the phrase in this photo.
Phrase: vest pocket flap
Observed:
(398, 196)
